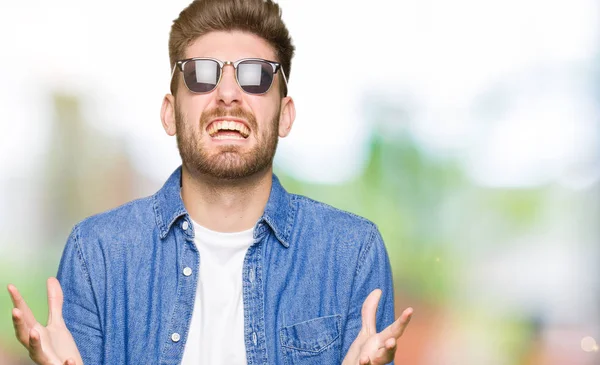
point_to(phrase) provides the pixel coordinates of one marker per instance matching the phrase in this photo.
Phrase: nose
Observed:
(228, 92)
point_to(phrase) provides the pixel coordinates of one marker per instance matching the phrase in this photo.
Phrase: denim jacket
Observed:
(129, 293)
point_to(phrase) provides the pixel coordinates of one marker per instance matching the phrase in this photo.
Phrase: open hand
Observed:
(370, 347)
(49, 345)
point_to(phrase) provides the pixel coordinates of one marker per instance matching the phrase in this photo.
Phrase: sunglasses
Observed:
(254, 75)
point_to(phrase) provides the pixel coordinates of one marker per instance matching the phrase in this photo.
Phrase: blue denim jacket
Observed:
(127, 300)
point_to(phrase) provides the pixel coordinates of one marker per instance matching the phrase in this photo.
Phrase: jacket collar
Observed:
(279, 212)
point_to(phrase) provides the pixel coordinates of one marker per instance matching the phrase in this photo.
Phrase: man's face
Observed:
(207, 144)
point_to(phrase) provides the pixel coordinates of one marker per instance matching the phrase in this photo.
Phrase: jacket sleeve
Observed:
(372, 271)
(80, 308)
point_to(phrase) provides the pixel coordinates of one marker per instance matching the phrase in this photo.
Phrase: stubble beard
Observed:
(227, 162)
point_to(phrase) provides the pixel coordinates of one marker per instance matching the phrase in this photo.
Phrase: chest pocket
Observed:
(316, 341)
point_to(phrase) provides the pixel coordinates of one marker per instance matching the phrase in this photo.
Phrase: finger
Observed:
(390, 344)
(69, 362)
(35, 348)
(364, 360)
(386, 354)
(19, 302)
(396, 329)
(369, 311)
(21, 328)
(55, 301)
(39, 352)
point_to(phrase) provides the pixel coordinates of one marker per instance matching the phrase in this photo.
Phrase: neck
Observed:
(225, 205)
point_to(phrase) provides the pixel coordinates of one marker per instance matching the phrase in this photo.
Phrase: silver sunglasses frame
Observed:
(275, 65)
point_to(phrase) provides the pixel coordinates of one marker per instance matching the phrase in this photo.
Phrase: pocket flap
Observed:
(313, 335)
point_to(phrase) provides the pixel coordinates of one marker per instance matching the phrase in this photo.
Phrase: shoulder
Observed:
(335, 220)
(134, 215)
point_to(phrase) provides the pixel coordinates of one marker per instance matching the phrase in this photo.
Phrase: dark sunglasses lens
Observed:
(201, 76)
(255, 77)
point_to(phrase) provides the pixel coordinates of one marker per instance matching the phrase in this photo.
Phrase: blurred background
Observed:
(467, 130)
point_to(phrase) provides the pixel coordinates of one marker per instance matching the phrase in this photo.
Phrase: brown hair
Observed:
(259, 17)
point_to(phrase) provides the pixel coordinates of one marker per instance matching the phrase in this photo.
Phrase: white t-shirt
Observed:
(216, 335)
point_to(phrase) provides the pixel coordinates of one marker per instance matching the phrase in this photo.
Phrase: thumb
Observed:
(369, 311)
(55, 301)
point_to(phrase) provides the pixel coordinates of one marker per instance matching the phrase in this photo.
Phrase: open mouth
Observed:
(227, 129)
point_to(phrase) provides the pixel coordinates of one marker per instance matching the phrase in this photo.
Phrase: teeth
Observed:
(230, 126)
(228, 137)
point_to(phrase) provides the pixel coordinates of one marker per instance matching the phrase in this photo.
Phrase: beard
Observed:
(227, 162)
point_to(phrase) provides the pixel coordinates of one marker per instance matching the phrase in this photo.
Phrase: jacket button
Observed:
(175, 337)
(187, 271)
(185, 225)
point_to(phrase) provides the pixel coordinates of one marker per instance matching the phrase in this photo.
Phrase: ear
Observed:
(167, 114)
(286, 116)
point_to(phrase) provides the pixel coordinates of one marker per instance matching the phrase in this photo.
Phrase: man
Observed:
(222, 265)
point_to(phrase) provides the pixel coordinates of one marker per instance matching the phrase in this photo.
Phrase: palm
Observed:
(60, 341)
(49, 345)
(370, 347)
